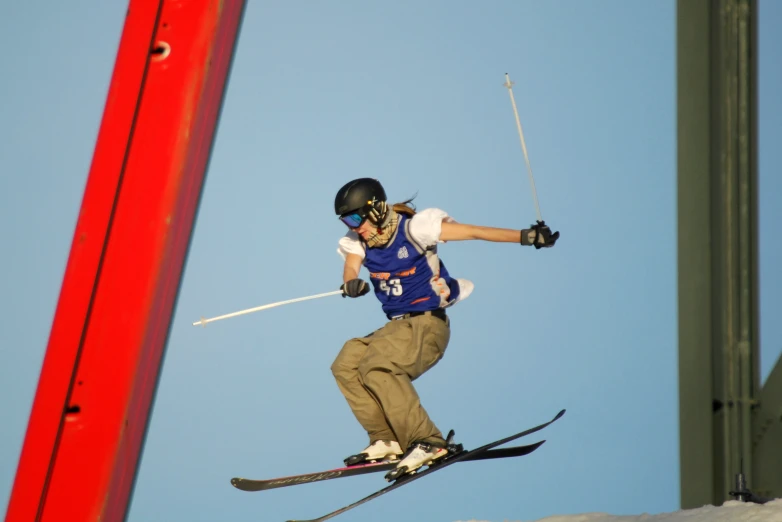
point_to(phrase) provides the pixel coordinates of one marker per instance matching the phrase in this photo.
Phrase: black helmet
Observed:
(363, 196)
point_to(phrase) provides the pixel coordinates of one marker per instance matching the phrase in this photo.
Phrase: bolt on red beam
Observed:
(102, 364)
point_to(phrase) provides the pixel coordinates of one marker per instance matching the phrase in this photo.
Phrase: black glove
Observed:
(354, 288)
(539, 235)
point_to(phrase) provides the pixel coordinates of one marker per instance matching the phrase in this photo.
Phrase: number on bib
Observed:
(392, 287)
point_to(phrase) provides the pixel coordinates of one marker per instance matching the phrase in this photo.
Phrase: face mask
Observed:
(384, 232)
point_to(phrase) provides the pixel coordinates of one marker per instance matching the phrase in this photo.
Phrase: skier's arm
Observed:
(353, 286)
(453, 231)
(352, 267)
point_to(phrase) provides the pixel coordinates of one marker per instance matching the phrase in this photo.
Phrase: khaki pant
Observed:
(375, 375)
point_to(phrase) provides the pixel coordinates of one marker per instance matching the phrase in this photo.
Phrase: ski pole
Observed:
(509, 85)
(204, 321)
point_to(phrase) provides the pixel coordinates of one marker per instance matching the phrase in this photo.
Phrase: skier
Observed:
(398, 246)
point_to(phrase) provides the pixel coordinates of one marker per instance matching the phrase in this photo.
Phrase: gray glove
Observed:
(354, 288)
(539, 235)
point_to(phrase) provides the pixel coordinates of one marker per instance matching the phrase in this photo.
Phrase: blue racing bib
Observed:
(408, 277)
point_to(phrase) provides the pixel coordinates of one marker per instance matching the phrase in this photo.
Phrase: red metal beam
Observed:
(97, 384)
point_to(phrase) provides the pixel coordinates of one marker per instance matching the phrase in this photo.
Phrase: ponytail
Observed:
(405, 207)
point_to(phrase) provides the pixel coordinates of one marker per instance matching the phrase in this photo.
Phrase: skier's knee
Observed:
(342, 371)
(336, 368)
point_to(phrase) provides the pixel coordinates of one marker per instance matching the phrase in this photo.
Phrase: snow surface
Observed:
(731, 511)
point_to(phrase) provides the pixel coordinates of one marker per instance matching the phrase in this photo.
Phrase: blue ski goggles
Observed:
(352, 220)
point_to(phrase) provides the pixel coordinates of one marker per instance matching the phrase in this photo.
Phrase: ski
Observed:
(361, 469)
(447, 461)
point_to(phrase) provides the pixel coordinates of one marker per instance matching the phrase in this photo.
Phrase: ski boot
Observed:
(423, 454)
(386, 450)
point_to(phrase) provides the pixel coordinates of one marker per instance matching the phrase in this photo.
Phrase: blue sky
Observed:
(410, 93)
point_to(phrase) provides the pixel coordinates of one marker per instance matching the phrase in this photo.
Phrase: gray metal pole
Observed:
(695, 289)
(717, 245)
